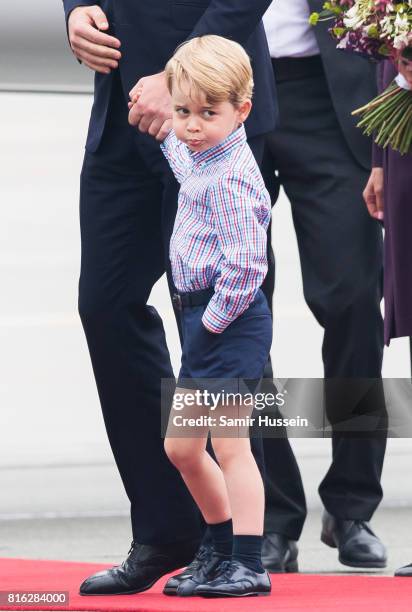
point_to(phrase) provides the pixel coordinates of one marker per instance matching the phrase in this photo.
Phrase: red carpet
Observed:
(294, 592)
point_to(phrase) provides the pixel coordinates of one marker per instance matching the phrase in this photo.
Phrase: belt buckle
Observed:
(177, 301)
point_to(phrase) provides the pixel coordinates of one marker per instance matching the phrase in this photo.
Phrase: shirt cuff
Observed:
(214, 320)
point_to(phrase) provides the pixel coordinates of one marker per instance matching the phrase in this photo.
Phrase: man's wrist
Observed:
(69, 7)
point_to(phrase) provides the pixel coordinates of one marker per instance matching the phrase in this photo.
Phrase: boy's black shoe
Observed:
(142, 568)
(235, 580)
(205, 572)
(203, 555)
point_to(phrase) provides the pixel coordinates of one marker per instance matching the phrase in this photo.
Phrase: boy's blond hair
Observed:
(214, 66)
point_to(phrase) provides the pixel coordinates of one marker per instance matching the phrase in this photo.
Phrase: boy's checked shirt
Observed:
(219, 236)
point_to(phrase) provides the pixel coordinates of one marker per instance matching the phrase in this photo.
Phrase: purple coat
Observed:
(398, 231)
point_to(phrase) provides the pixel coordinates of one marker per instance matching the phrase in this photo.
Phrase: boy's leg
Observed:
(185, 445)
(244, 574)
(244, 484)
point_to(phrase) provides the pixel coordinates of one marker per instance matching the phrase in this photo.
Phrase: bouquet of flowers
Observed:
(378, 29)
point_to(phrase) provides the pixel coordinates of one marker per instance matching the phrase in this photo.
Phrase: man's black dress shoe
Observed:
(235, 580)
(206, 571)
(203, 555)
(357, 544)
(142, 568)
(279, 554)
(405, 571)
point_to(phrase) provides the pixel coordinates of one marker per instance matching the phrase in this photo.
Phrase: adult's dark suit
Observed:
(323, 163)
(127, 209)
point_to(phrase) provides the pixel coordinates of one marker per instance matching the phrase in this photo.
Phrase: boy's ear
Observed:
(244, 110)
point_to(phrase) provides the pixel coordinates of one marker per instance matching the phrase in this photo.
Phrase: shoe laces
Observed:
(362, 524)
(202, 557)
(203, 553)
(225, 569)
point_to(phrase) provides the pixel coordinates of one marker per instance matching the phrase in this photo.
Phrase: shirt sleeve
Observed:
(241, 217)
(177, 154)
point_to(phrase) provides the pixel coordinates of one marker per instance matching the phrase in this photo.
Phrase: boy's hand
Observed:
(97, 50)
(373, 194)
(135, 98)
(152, 111)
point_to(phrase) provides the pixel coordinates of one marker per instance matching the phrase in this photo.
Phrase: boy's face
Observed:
(201, 125)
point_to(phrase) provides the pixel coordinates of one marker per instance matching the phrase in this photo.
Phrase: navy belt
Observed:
(192, 298)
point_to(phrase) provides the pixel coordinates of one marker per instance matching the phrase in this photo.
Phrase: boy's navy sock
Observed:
(222, 537)
(247, 549)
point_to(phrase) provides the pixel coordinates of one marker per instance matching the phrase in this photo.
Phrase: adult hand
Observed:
(405, 68)
(151, 109)
(99, 51)
(373, 194)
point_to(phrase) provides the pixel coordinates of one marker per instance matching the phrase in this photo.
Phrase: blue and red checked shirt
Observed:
(220, 232)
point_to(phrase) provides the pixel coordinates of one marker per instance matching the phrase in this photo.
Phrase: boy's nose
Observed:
(193, 126)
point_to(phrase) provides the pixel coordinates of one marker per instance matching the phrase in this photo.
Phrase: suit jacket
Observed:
(150, 31)
(352, 83)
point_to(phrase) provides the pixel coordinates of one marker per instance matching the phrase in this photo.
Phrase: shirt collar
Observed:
(222, 149)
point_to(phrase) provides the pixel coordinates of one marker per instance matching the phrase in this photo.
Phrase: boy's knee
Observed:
(170, 449)
(181, 456)
(225, 451)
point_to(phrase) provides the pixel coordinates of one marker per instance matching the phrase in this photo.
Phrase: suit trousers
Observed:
(128, 201)
(340, 250)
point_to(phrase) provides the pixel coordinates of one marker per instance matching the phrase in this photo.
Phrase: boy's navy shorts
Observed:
(231, 361)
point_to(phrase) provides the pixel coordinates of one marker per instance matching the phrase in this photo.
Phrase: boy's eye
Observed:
(182, 111)
(209, 113)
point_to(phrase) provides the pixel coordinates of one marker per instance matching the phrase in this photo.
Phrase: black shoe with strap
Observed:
(143, 567)
(205, 572)
(235, 580)
(357, 544)
(279, 554)
(203, 555)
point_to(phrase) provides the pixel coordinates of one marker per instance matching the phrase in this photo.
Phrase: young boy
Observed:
(218, 258)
